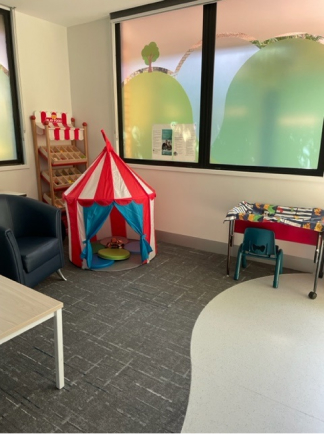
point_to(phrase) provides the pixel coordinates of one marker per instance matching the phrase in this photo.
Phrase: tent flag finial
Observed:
(108, 144)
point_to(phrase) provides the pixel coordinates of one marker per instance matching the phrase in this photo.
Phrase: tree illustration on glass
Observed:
(150, 54)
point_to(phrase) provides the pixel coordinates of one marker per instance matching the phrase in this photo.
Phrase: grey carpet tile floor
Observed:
(126, 346)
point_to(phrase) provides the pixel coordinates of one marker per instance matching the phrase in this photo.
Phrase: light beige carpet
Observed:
(257, 358)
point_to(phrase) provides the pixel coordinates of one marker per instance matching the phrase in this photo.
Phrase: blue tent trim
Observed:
(94, 218)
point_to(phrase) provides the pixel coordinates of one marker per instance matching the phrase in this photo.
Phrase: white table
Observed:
(23, 308)
(15, 193)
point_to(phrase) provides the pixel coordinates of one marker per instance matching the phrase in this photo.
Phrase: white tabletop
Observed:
(15, 193)
(21, 306)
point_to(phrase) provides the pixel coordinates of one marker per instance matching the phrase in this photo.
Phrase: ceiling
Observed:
(72, 12)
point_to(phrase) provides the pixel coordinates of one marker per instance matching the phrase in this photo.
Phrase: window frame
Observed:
(9, 36)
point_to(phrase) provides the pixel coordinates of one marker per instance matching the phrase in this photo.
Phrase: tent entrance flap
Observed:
(95, 216)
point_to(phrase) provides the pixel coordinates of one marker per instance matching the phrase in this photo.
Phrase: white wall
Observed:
(92, 81)
(45, 85)
(193, 204)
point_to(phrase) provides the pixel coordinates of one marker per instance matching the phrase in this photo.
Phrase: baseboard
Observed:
(293, 262)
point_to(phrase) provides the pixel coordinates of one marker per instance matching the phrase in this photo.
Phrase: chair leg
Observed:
(59, 272)
(238, 263)
(281, 261)
(278, 269)
(244, 264)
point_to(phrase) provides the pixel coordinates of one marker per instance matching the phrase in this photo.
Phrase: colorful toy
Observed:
(114, 243)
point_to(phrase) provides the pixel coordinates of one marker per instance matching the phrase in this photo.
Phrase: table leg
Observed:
(230, 244)
(317, 249)
(319, 257)
(58, 343)
(320, 274)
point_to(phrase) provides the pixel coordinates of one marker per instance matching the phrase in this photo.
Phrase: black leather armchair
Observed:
(31, 246)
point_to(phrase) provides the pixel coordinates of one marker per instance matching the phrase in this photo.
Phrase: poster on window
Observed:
(174, 143)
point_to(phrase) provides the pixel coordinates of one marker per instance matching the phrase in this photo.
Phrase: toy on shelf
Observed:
(62, 155)
(59, 160)
(58, 201)
(62, 178)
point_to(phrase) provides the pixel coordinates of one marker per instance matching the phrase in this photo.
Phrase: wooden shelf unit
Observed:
(59, 163)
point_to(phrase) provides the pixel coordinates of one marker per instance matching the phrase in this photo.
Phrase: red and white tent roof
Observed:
(109, 179)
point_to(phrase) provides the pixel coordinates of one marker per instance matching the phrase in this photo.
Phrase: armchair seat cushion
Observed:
(35, 251)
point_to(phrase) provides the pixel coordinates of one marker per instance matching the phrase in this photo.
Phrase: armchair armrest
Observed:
(10, 260)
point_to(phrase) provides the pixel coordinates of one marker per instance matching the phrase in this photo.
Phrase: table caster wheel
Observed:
(312, 295)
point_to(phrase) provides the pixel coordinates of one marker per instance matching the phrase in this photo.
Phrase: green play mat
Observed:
(114, 254)
(96, 246)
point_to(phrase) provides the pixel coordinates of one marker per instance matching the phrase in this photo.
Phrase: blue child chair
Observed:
(259, 243)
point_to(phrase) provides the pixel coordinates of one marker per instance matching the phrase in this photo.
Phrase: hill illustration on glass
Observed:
(273, 112)
(153, 97)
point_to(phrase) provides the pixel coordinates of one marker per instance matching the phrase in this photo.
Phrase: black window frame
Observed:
(207, 79)
(19, 160)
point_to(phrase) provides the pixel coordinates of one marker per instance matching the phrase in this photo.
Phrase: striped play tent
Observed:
(109, 189)
(60, 125)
